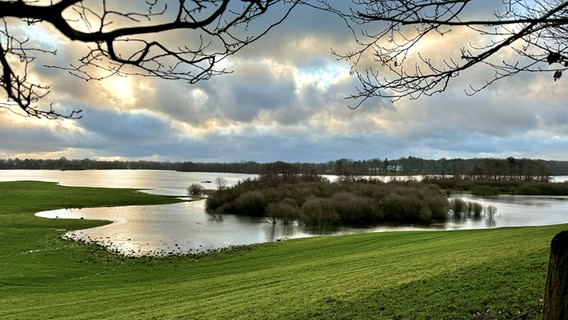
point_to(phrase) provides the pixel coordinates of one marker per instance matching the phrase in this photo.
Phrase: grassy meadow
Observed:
(477, 274)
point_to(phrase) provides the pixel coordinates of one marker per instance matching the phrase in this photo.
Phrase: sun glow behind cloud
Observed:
(121, 90)
(284, 100)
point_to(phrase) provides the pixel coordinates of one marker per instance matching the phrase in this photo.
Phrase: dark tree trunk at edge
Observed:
(556, 291)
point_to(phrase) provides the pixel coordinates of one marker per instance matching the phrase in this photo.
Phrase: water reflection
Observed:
(170, 229)
(163, 182)
(186, 228)
(516, 211)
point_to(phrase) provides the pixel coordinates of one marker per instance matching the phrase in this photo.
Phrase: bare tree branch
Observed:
(394, 33)
(137, 42)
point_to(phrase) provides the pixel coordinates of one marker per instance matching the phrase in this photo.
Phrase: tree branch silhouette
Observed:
(129, 39)
(393, 33)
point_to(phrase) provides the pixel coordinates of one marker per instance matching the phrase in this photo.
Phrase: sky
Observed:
(286, 100)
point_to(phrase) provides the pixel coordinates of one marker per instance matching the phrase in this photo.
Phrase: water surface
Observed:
(186, 227)
(164, 182)
(174, 228)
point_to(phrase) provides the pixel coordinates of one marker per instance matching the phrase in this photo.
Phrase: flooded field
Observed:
(186, 227)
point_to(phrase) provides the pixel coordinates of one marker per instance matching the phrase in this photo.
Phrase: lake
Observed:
(186, 228)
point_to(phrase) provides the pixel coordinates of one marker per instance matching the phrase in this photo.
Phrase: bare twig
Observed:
(131, 43)
(392, 31)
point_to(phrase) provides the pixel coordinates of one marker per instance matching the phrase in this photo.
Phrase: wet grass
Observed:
(481, 274)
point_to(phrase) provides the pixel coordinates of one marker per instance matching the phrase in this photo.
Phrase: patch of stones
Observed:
(123, 247)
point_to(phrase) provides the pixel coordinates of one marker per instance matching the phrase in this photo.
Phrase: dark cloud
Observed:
(23, 139)
(124, 127)
(285, 100)
(247, 95)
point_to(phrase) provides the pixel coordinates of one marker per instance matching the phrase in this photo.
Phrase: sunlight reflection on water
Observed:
(163, 182)
(186, 227)
(171, 229)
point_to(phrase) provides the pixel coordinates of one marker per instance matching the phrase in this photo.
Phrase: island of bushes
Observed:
(312, 200)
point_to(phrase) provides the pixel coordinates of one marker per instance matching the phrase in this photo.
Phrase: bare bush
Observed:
(285, 211)
(319, 212)
(490, 211)
(195, 190)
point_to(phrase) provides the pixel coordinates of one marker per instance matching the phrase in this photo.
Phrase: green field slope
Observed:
(482, 274)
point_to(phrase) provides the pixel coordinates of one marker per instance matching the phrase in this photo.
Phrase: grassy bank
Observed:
(482, 274)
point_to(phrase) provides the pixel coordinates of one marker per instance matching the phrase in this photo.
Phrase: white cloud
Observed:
(285, 100)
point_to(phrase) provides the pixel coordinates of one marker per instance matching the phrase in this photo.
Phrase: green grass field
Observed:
(482, 274)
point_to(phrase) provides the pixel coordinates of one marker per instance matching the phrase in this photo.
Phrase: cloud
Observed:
(285, 100)
(126, 127)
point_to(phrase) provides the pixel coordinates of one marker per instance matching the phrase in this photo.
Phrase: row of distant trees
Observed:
(510, 169)
(88, 164)
(485, 168)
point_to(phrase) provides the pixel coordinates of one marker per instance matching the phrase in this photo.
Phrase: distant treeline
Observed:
(494, 187)
(249, 167)
(484, 168)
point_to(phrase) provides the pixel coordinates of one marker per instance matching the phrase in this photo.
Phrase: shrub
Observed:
(401, 207)
(468, 208)
(490, 211)
(250, 203)
(356, 209)
(438, 206)
(318, 211)
(527, 189)
(425, 215)
(477, 210)
(195, 190)
(457, 207)
(485, 191)
(221, 183)
(286, 211)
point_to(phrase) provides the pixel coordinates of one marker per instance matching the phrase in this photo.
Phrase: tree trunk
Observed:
(556, 291)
